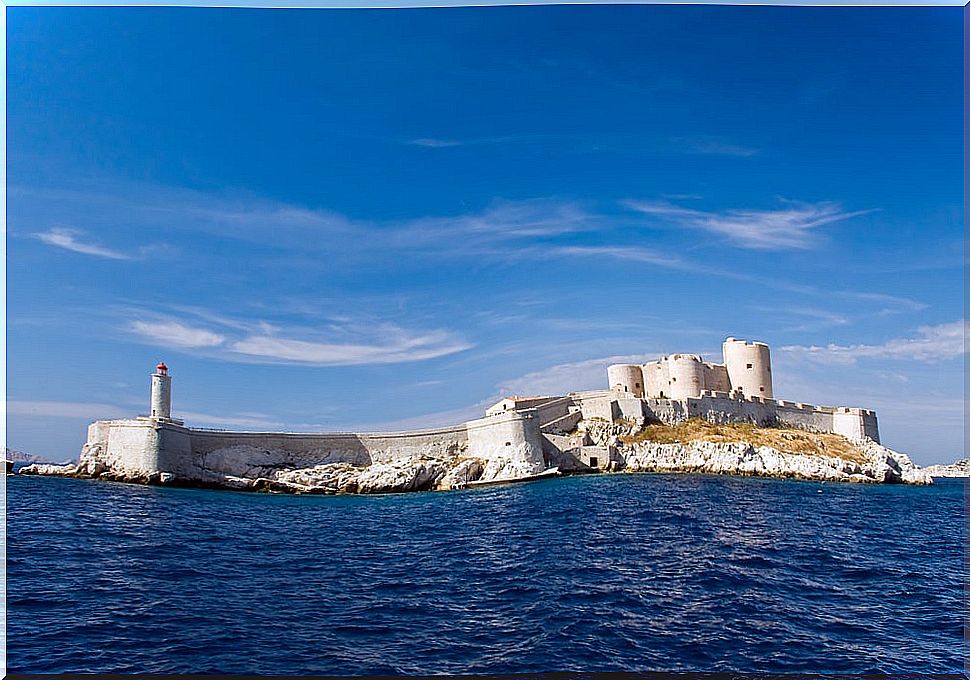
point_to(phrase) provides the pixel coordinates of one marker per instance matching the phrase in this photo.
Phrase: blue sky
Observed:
(377, 219)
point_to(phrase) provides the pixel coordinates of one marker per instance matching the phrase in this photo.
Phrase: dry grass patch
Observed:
(789, 440)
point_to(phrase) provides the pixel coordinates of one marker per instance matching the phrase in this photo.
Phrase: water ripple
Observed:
(609, 573)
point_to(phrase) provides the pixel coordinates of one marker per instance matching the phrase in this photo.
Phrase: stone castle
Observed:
(746, 372)
(517, 437)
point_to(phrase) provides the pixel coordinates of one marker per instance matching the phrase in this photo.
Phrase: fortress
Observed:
(746, 371)
(517, 437)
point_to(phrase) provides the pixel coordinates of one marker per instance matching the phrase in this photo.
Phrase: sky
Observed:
(384, 219)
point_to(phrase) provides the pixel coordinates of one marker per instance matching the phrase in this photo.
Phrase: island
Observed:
(678, 414)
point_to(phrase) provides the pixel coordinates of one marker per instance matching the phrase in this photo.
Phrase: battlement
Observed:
(753, 343)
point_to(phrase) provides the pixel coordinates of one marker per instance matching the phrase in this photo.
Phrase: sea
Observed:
(597, 573)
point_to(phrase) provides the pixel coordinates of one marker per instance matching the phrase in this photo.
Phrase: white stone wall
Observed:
(665, 410)
(856, 424)
(626, 378)
(655, 379)
(686, 376)
(598, 405)
(144, 446)
(631, 409)
(513, 437)
(129, 446)
(748, 367)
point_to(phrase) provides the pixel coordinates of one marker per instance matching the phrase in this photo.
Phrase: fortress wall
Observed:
(804, 417)
(175, 450)
(748, 367)
(562, 425)
(306, 450)
(513, 436)
(856, 423)
(655, 379)
(517, 403)
(553, 409)
(686, 376)
(665, 410)
(598, 406)
(631, 409)
(143, 447)
(723, 410)
(716, 378)
(443, 443)
(129, 446)
(626, 378)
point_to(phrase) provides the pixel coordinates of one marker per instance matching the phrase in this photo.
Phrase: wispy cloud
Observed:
(933, 343)
(888, 304)
(444, 143)
(402, 349)
(501, 222)
(175, 334)
(487, 230)
(341, 342)
(804, 318)
(784, 229)
(623, 252)
(68, 239)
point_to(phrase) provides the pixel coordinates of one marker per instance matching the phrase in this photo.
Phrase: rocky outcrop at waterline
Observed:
(960, 468)
(691, 447)
(700, 446)
(330, 478)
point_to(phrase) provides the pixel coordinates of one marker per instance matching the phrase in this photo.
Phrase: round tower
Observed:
(686, 376)
(749, 367)
(161, 392)
(626, 378)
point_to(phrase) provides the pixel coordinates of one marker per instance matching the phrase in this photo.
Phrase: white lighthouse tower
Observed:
(161, 393)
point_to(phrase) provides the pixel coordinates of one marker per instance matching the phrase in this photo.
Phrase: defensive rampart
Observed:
(147, 447)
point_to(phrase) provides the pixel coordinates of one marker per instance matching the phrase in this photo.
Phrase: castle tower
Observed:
(686, 376)
(161, 393)
(749, 367)
(627, 378)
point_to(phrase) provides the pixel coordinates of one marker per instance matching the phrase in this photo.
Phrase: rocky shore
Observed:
(633, 447)
(744, 449)
(961, 468)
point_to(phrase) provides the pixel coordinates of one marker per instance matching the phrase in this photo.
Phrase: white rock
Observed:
(883, 465)
(960, 468)
(465, 471)
(54, 470)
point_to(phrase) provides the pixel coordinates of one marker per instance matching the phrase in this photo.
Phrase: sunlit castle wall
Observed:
(748, 367)
(627, 378)
(686, 376)
(655, 379)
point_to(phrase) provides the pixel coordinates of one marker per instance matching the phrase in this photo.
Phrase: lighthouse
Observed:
(161, 393)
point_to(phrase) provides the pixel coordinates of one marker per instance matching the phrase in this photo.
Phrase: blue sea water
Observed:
(596, 573)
